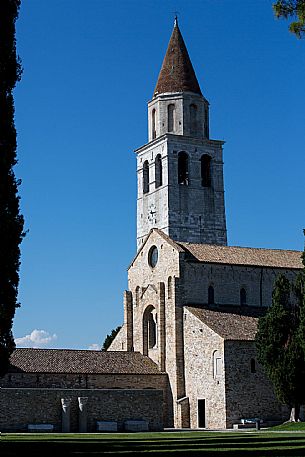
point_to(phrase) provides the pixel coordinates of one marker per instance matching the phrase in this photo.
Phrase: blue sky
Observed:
(90, 66)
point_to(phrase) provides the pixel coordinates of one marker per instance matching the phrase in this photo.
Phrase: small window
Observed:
(211, 299)
(153, 124)
(217, 364)
(206, 170)
(183, 168)
(137, 295)
(158, 170)
(243, 297)
(170, 117)
(169, 288)
(153, 256)
(145, 177)
(193, 118)
(253, 367)
(206, 123)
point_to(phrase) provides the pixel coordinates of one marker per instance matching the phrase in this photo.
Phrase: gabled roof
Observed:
(235, 255)
(177, 73)
(164, 236)
(30, 360)
(230, 322)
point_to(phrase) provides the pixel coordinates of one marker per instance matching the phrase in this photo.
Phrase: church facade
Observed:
(185, 356)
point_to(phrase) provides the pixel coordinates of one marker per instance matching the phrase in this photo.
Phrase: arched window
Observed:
(243, 297)
(158, 171)
(211, 295)
(170, 117)
(217, 365)
(152, 331)
(149, 329)
(193, 118)
(169, 287)
(206, 123)
(183, 168)
(252, 365)
(205, 170)
(137, 295)
(145, 177)
(153, 124)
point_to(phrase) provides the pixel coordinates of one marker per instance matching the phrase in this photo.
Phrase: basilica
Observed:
(185, 356)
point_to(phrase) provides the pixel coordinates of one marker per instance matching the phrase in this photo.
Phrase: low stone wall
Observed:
(22, 406)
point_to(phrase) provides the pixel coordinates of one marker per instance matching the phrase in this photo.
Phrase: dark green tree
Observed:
(292, 9)
(11, 221)
(109, 338)
(281, 345)
(300, 292)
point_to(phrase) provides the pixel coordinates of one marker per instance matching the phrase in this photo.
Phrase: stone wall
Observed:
(20, 407)
(202, 382)
(92, 381)
(227, 281)
(248, 394)
(148, 280)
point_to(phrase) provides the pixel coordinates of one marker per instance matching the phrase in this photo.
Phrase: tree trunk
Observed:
(295, 413)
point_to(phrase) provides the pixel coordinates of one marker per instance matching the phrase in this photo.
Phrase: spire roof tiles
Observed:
(177, 73)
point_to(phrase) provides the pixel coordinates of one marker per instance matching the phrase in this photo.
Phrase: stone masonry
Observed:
(23, 406)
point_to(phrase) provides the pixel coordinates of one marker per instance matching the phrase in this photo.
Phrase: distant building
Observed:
(185, 356)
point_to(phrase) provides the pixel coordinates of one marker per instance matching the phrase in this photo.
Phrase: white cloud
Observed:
(94, 347)
(36, 339)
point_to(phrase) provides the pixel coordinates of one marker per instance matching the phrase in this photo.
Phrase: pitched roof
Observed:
(234, 255)
(77, 361)
(164, 236)
(177, 73)
(230, 322)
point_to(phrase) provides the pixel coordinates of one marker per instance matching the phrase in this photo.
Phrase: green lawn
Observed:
(290, 426)
(227, 444)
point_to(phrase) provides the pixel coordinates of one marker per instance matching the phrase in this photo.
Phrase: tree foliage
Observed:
(292, 9)
(109, 338)
(11, 221)
(280, 341)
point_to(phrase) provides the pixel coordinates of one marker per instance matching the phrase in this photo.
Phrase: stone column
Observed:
(65, 422)
(128, 319)
(82, 418)
(161, 327)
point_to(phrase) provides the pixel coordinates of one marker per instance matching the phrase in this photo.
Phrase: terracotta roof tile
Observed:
(177, 72)
(234, 255)
(78, 361)
(230, 322)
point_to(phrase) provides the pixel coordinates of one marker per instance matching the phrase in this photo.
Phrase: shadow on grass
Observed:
(225, 445)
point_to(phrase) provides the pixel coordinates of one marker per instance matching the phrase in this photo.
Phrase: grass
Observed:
(290, 427)
(229, 444)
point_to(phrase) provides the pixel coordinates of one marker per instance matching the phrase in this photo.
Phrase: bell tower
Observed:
(180, 169)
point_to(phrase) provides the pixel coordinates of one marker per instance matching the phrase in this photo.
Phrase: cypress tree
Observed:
(11, 221)
(280, 343)
(109, 338)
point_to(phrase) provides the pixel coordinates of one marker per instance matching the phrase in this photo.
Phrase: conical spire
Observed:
(177, 72)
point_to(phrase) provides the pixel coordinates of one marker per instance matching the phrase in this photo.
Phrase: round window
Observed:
(153, 256)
